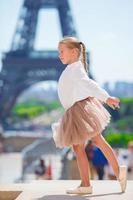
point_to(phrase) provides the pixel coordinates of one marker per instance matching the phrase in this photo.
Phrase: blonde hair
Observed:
(72, 42)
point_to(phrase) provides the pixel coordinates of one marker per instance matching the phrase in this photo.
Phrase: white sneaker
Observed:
(80, 190)
(123, 177)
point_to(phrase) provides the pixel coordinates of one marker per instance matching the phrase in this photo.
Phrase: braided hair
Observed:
(72, 42)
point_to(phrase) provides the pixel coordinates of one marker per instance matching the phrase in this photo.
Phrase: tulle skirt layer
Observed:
(84, 120)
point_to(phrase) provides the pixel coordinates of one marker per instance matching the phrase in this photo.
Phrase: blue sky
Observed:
(105, 26)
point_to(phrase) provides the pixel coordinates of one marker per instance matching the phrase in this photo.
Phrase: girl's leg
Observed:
(83, 164)
(101, 143)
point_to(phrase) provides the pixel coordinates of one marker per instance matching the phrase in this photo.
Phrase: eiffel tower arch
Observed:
(23, 66)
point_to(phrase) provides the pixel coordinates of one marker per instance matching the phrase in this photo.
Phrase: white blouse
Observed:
(74, 85)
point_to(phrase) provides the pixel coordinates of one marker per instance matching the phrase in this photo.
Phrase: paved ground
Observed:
(55, 190)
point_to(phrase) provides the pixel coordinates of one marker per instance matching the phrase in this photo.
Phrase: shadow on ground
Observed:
(75, 197)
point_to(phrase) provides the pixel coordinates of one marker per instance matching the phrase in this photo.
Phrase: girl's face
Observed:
(66, 54)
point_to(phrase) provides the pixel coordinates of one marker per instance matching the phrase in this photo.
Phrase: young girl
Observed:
(85, 116)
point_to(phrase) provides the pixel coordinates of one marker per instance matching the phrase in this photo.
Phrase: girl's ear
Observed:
(74, 51)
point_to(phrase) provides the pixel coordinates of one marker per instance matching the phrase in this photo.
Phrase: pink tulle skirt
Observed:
(82, 121)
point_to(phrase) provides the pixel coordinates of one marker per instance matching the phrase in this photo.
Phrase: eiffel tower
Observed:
(23, 66)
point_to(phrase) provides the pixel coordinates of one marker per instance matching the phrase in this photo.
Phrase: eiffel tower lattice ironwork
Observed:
(22, 66)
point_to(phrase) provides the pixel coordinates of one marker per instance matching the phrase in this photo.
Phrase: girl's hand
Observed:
(113, 102)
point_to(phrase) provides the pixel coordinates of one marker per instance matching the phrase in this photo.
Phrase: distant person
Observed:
(85, 116)
(99, 162)
(40, 169)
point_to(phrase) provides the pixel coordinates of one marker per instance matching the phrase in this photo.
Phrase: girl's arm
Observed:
(93, 89)
(85, 84)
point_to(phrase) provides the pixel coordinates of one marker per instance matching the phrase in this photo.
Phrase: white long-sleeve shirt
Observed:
(75, 85)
